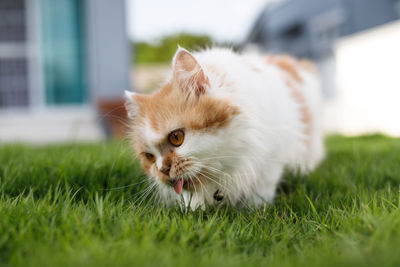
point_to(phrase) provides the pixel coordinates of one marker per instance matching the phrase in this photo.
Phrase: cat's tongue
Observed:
(178, 186)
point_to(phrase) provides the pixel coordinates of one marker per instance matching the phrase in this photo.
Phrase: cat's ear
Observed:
(188, 73)
(132, 104)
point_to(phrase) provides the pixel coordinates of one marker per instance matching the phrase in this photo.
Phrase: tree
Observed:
(162, 51)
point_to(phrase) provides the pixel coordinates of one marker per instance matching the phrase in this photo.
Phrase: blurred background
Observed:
(64, 64)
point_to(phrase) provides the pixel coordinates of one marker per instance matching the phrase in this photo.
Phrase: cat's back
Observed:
(255, 75)
(278, 92)
(259, 83)
(264, 79)
(244, 77)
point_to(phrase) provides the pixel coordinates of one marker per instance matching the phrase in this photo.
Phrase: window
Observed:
(13, 62)
(13, 82)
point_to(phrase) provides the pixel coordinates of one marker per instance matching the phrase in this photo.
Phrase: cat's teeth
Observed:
(178, 186)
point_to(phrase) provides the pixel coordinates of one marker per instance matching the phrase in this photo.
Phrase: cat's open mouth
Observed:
(188, 184)
(181, 183)
(178, 186)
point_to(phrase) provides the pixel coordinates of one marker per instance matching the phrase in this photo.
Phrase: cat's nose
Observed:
(165, 169)
(166, 165)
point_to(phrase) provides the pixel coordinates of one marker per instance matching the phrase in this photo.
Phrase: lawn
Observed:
(85, 205)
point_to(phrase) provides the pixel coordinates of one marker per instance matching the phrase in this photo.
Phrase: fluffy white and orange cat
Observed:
(224, 126)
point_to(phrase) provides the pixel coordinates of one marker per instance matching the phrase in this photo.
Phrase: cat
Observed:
(225, 126)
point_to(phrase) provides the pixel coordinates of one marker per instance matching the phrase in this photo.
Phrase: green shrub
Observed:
(161, 51)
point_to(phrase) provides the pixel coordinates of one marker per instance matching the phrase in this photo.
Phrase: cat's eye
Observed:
(176, 137)
(150, 157)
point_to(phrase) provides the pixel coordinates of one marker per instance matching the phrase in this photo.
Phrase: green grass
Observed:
(74, 205)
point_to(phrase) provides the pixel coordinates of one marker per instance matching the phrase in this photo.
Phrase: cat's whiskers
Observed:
(224, 183)
(146, 196)
(192, 177)
(202, 172)
(145, 193)
(126, 186)
(202, 186)
(203, 166)
(208, 170)
(227, 191)
(137, 197)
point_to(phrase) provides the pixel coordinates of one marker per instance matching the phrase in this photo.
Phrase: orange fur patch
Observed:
(164, 178)
(307, 65)
(146, 164)
(288, 64)
(171, 105)
(177, 164)
(252, 67)
(291, 66)
(306, 117)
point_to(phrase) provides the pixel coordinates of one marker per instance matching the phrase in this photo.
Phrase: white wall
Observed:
(368, 83)
(50, 125)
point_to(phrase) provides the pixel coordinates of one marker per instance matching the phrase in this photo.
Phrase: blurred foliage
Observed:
(161, 51)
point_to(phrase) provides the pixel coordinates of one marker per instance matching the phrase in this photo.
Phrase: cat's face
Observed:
(180, 132)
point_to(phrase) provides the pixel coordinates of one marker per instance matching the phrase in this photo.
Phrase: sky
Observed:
(223, 20)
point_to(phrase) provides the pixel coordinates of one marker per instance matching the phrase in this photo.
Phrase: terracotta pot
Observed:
(113, 117)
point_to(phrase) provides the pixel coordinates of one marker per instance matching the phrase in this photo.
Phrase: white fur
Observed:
(246, 159)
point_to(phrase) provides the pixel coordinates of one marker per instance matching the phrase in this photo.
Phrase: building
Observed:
(368, 85)
(58, 59)
(355, 44)
(311, 28)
